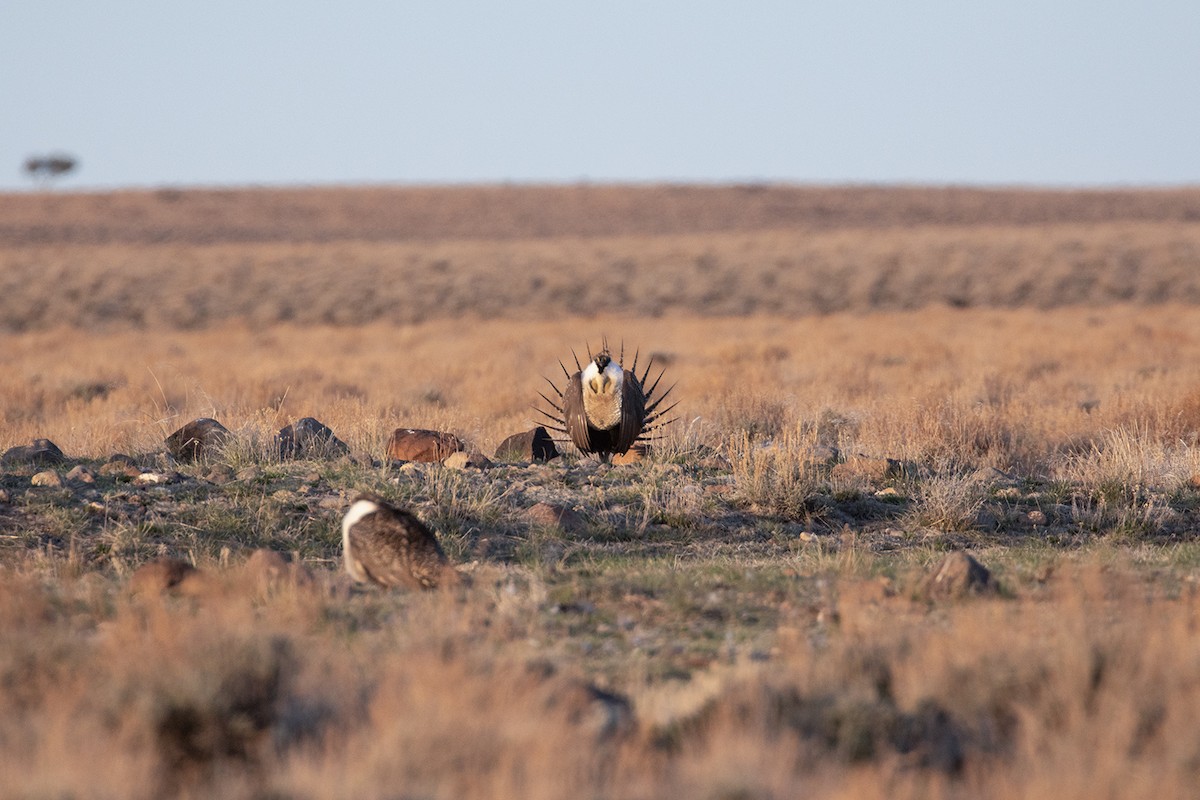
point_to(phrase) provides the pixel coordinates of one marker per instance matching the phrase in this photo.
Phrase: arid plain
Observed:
(868, 379)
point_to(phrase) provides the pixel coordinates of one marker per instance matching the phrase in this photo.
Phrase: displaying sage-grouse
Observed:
(388, 546)
(604, 408)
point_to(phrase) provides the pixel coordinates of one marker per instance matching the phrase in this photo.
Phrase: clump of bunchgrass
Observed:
(778, 476)
(945, 501)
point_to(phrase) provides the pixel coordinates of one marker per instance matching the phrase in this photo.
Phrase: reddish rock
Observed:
(416, 444)
(197, 440)
(633, 455)
(532, 445)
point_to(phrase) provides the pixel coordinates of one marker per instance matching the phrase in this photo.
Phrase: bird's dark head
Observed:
(602, 359)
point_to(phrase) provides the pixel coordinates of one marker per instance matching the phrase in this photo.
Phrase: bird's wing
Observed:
(633, 412)
(574, 418)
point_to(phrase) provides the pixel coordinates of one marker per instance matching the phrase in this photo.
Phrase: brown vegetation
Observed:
(353, 256)
(751, 610)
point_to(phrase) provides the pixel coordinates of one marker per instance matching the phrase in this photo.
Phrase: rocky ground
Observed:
(685, 502)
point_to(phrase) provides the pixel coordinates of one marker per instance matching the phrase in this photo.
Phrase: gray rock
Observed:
(39, 452)
(309, 438)
(197, 440)
(531, 445)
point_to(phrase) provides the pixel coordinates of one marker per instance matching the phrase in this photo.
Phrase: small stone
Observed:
(39, 452)
(464, 460)
(47, 478)
(81, 474)
(309, 438)
(152, 478)
(197, 440)
(5, 497)
(332, 502)
(553, 516)
(957, 575)
(889, 492)
(418, 444)
(531, 445)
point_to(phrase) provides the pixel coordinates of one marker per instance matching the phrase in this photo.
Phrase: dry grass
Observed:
(181, 260)
(737, 616)
(1085, 687)
(1018, 390)
(782, 272)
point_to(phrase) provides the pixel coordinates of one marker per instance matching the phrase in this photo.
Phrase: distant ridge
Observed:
(351, 256)
(510, 212)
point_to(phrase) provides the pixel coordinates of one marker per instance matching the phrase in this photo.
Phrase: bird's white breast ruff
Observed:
(603, 410)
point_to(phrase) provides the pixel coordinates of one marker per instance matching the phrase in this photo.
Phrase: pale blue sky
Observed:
(155, 93)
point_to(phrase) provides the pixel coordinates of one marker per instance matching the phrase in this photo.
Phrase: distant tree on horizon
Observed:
(43, 169)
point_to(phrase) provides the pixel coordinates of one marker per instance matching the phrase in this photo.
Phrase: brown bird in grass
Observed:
(388, 546)
(604, 408)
